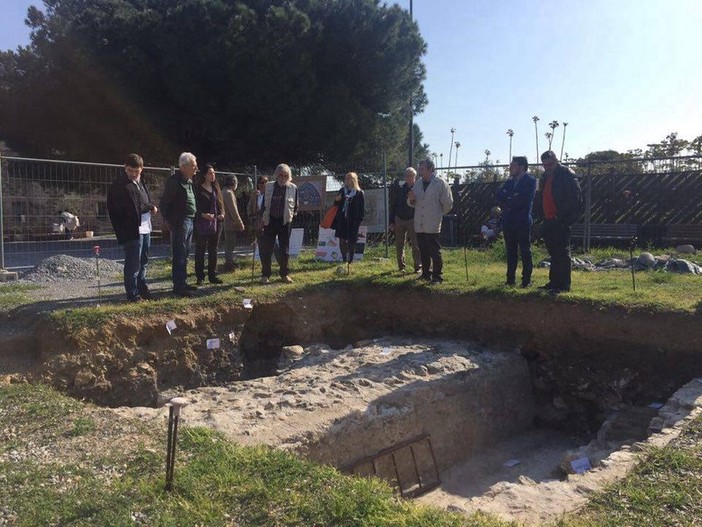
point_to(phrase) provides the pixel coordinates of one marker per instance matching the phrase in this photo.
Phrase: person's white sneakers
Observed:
(265, 279)
(287, 279)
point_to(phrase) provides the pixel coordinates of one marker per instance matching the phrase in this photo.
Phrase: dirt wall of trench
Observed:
(578, 352)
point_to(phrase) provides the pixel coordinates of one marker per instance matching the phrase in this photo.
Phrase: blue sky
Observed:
(622, 73)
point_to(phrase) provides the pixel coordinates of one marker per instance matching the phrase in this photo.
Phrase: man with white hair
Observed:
(178, 209)
(431, 198)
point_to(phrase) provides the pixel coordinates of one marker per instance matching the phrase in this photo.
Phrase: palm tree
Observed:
(553, 125)
(458, 145)
(536, 129)
(510, 133)
(565, 125)
(453, 131)
(549, 138)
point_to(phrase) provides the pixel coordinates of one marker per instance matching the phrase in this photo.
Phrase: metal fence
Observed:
(657, 199)
(662, 204)
(34, 191)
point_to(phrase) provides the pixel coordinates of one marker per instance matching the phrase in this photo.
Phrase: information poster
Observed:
(328, 245)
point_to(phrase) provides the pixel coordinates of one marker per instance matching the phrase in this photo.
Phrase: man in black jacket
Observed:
(401, 221)
(561, 206)
(130, 209)
(178, 209)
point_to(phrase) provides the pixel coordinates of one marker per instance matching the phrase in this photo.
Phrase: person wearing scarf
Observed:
(350, 201)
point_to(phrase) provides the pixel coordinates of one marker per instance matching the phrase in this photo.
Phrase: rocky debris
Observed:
(644, 262)
(682, 266)
(63, 267)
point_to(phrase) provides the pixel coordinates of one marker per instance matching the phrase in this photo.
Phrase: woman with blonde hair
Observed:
(209, 216)
(279, 209)
(352, 208)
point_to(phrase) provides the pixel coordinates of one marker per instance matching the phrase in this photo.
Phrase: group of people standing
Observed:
(560, 208)
(194, 205)
(417, 208)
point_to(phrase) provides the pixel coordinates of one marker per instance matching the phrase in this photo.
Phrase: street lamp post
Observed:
(458, 145)
(411, 123)
(453, 131)
(510, 133)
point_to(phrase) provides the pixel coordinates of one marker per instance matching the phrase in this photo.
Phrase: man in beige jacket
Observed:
(431, 198)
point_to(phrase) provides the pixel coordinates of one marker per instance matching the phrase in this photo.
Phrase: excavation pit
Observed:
(471, 414)
(543, 384)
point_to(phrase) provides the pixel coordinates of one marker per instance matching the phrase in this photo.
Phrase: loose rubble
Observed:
(63, 267)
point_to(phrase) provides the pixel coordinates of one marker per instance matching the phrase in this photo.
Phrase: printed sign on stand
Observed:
(328, 245)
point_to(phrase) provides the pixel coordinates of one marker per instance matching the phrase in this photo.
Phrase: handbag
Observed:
(205, 227)
(328, 219)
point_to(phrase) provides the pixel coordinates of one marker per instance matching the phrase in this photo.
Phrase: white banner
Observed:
(328, 245)
(296, 236)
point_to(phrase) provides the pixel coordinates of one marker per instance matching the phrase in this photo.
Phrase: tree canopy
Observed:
(307, 82)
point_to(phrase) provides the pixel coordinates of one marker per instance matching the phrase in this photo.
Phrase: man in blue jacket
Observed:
(516, 198)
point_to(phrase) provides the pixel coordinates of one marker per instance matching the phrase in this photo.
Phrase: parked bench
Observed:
(606, 231)
(684, 234)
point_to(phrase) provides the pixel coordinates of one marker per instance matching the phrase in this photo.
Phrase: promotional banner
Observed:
(328, 245)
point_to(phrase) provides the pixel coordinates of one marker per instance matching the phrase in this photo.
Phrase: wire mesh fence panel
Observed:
(654, 196)
(59, 207)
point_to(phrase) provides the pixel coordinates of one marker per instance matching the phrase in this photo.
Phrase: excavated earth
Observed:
(343, 374)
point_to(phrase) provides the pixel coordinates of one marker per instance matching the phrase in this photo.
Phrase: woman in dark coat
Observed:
(348, 219)
(209, 218)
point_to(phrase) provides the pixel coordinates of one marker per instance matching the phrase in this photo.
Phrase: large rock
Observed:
(646, 260)
(686, 249)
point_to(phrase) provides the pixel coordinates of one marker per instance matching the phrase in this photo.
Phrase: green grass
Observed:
(13, 295)
(656, 291)
(217, 483)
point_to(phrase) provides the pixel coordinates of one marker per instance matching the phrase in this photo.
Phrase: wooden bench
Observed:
(606, 231)
(684, 234)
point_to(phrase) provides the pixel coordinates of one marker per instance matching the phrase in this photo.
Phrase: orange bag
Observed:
(328, 219)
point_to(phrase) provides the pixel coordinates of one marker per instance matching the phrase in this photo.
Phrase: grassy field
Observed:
(69, 464)
(656, 291)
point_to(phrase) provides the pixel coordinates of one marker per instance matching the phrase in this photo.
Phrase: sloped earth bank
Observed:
(474, 372)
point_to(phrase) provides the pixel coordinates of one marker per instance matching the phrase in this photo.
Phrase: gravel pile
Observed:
(62, 267)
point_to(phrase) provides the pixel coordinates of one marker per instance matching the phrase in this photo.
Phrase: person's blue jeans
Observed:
(136, 258)
(181, 237)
